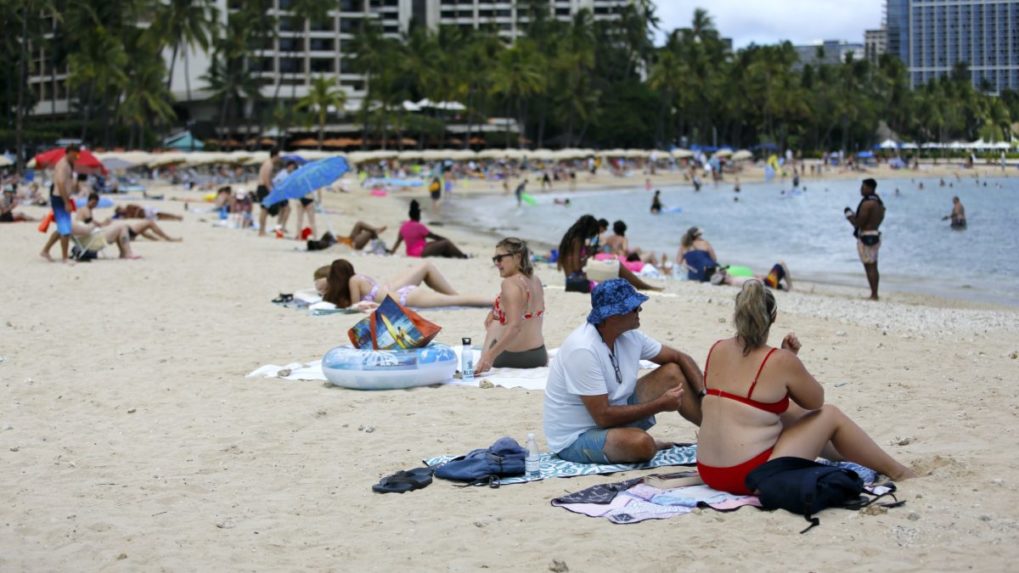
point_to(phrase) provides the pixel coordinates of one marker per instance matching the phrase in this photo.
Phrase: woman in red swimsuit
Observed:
(748, 417)
(513, 337)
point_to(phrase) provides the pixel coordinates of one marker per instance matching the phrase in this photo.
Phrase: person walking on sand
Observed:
(60, 202)
(280, 208)
(596, 409)
(869, 215)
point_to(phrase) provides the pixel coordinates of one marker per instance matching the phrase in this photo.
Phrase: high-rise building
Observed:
(932, 36)
(875, 44)
(829, 52)
(298, 51)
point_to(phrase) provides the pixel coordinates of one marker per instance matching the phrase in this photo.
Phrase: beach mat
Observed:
(637, 502)
(552, 466)
(311, 301)
(526, 378)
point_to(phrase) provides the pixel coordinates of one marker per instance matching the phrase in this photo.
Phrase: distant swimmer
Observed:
(696, 183)
(563, 202)
(656, 203)
(519, 192)
(958, 215)
(869, 215)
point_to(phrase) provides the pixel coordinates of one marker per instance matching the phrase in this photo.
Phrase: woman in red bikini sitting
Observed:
(762, 404)
(513, 336)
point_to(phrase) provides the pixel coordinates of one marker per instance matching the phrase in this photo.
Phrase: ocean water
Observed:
(806, 229)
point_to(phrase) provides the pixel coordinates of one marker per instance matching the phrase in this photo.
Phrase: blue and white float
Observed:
(358, 369)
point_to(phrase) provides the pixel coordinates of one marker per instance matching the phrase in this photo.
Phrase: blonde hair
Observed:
(755, 312)
(322, 272)
(516, 246)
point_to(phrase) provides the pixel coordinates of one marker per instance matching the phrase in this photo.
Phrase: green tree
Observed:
(323, 94)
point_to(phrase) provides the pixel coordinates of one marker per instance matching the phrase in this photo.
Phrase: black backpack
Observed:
(504, 458)
(806, 487)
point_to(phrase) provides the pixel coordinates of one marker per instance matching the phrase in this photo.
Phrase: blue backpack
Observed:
(504, 458)
(806, 487)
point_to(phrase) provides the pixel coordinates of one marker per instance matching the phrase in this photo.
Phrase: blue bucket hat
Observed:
(611, 298)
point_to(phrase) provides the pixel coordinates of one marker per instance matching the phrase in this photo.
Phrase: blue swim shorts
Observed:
(60, 215)
(589, 447)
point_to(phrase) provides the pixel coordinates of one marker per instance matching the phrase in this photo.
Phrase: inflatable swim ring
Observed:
(738, 271)
(357, 369)
(528, 198)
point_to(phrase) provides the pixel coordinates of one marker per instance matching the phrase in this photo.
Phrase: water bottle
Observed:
(532, 467)
(466, 359)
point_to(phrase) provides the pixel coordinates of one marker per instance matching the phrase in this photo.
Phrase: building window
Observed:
(321, 44)
(291, 65)
(323, 65)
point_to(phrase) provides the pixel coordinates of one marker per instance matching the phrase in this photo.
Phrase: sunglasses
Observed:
(498, 258)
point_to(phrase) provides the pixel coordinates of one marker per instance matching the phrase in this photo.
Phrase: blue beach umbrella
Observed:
(295, 158)
(307, 179)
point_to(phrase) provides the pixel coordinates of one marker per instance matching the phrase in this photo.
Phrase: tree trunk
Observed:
(22, 80)
(187, 89)
(88, 109)
(173, 63)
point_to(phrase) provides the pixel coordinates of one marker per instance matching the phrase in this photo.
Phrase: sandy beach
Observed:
(132, 441)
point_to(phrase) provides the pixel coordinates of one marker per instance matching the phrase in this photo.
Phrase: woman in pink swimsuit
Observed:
(762, 404)
(345, 288)
(513, 336)
(416, 235)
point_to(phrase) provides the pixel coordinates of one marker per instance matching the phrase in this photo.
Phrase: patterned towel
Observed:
(552, 466)
(641, 502)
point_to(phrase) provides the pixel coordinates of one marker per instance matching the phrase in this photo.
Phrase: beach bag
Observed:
(806, 487)
(392, 326)
(504, 458)
(83, 255)
(578, 282)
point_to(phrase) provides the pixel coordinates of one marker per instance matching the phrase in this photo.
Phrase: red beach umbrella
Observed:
(87, 163)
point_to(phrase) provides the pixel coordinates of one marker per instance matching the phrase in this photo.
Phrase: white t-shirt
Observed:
(582, 367)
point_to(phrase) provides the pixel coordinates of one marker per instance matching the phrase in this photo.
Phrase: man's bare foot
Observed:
(873, 297)
(46, 256)
(69, 262)
(131, 257)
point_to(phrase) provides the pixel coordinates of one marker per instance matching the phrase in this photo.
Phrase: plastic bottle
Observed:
(466, 359)
(532, 467)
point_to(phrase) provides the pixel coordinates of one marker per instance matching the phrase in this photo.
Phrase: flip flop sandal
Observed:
(404, 481)
(283, 298)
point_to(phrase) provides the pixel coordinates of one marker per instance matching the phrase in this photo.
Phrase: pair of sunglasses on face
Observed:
(498, 258)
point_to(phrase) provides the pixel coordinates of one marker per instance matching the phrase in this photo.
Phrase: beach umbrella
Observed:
(4, 161)
(86, 163)
(295, 158)
(725, 152)
(306, 179)
(742, 155)
(681, 153)
(163, 159)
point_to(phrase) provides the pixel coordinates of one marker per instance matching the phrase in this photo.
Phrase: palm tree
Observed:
(370, 57)
(187, 25)
(146, 99)
(519, 76)
(323, 94)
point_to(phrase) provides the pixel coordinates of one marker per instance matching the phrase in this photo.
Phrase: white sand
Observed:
(130, 439)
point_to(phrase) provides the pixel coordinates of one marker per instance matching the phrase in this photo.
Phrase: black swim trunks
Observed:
(273, 209)
(305, 201)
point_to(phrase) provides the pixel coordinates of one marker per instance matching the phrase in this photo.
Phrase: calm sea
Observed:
(807, 229)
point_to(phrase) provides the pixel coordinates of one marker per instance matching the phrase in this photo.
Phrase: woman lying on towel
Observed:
(347, 289)
(513, 336)
(747, 415)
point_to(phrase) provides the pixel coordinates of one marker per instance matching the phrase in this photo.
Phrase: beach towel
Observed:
(636, 501)
(552, 466)
(310, 301)
(526, 378)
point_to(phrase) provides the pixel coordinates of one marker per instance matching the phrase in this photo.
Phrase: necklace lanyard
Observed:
(615, 365)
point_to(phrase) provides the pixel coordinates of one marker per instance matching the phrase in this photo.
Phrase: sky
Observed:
(799, 21)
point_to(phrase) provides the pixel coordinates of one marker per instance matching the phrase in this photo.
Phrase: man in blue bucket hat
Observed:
(596, 409)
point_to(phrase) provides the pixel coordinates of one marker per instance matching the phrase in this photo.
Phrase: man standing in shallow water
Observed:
(869, 215)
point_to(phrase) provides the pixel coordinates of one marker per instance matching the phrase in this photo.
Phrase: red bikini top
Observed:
(500, 315)
(774, 407)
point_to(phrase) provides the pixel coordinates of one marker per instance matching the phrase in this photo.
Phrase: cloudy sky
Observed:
(800, 21)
